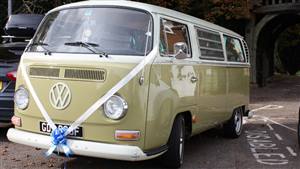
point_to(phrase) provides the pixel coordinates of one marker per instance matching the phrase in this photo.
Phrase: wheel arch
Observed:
(187, 115)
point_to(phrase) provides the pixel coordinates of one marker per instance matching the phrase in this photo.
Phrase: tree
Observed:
(228, 10)
(232, 14)
(179, 5)
(40, 6)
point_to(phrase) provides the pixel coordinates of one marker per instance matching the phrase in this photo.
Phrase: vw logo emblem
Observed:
(60, 96)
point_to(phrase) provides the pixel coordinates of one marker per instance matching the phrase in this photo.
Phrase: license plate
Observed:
(45, 127)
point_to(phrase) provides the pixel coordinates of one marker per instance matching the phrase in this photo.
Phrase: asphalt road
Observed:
(269, 140)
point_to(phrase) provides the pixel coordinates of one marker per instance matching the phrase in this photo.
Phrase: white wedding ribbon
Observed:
(99, 102)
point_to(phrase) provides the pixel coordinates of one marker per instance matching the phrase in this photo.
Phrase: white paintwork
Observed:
(79, 147)
(275, 122)
(264, 150)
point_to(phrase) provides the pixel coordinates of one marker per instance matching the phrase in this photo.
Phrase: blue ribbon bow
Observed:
(58, 139)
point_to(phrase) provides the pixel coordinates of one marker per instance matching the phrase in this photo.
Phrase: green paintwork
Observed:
(211, 99)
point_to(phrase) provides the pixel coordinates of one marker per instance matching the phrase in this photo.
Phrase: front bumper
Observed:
(82, 148)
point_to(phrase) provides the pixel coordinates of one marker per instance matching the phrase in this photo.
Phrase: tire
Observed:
(233, 128)
(173, 158)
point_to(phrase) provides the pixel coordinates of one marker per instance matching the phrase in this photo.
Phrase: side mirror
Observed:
(180, 50)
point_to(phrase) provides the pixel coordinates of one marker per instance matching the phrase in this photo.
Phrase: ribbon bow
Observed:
(58, 139)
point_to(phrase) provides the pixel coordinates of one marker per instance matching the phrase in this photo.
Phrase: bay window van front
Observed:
(125, 80)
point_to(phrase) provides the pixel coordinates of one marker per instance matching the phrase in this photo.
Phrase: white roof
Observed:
(149, 8)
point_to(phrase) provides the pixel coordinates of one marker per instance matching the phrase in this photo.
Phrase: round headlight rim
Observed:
(22, 87)
(125, 108)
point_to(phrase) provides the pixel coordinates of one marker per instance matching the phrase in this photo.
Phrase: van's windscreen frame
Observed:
(45, 20)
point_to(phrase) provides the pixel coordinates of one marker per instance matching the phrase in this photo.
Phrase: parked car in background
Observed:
(18, 30)
(21, 27)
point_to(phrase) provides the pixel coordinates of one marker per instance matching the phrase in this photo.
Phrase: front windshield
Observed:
(115, 31)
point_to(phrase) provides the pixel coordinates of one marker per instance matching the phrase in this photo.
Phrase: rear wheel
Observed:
(173, 158)
(233, 128)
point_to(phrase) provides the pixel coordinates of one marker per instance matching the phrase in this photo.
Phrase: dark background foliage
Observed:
(228, 13)
(232, 14)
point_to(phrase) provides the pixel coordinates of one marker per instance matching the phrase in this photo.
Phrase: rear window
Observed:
(234, 49)
(24, 20)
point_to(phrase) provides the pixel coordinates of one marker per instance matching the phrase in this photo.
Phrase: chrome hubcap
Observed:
(238, 122)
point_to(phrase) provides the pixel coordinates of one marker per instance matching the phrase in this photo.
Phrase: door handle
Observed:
(194, 79)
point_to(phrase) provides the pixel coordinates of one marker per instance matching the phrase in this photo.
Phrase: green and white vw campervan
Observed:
(128, 81)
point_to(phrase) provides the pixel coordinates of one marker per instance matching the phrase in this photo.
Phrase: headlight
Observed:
(21, 98)
(115, 108)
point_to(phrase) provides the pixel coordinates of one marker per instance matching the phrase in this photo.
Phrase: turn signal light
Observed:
(16, 121)
(12, 75)
(125, 135)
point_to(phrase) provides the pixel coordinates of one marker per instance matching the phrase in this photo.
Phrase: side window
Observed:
(234, 49)
(210, 45)
(171, 34)
(163, 48)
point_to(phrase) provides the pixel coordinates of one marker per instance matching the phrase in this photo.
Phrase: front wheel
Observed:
(173, 158)
(233, 128)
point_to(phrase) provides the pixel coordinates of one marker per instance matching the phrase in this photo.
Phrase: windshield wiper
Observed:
(90, 46)
(48, 52)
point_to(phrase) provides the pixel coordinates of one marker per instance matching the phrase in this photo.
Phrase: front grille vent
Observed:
(98, 75)
(44, 72)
